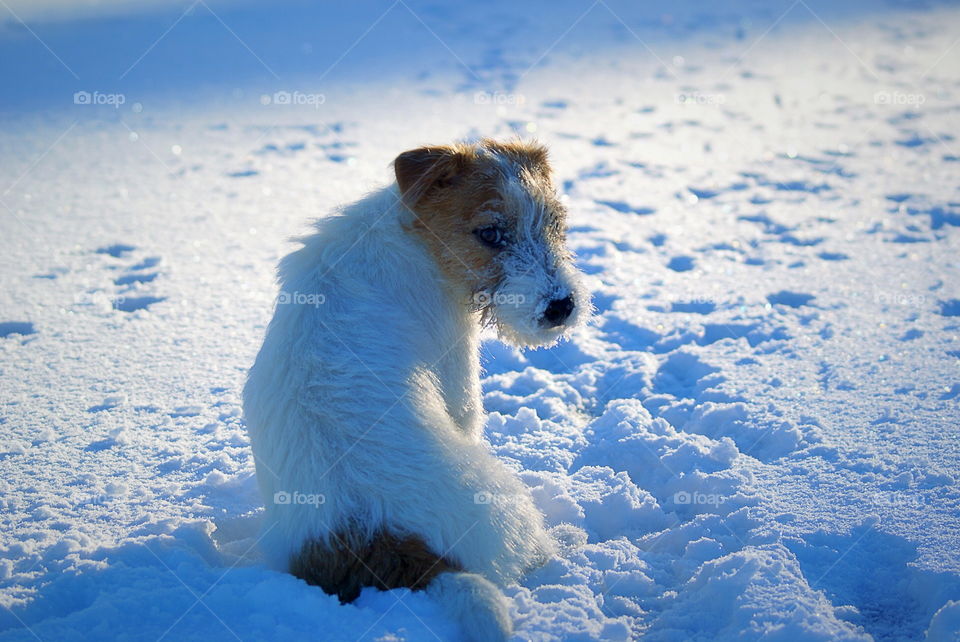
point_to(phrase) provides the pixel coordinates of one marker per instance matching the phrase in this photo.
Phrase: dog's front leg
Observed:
(458, 374)
(472, 417)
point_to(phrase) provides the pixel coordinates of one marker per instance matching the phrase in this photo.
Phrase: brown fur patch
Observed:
(386, 561)
(454, 190)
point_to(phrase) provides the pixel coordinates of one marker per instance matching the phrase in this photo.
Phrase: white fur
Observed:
(478, 605)
(534, 272)
(366, 392)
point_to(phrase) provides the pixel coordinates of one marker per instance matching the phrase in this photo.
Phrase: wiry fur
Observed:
(366, 390)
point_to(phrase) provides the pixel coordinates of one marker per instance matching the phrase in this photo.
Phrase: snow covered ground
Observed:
(756, 435)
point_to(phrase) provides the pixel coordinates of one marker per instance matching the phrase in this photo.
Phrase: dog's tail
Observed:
(474, 602)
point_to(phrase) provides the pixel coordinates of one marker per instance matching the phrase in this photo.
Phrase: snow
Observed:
(755, 437)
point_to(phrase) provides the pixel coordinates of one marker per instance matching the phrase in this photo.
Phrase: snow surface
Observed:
(755, 437)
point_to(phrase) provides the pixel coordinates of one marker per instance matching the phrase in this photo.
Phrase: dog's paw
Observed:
(476, 603)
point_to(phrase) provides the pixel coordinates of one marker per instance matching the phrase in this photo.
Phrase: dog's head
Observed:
(489, 215)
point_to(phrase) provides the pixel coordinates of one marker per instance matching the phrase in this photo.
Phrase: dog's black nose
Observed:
(557, 311)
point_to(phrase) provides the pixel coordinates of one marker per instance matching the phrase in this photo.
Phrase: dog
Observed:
(364, 403)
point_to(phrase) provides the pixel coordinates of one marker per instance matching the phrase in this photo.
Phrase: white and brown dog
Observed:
(364, 405)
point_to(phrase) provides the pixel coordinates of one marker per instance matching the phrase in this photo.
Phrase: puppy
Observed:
(364, 404)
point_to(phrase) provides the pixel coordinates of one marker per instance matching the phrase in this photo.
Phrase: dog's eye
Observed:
(491, 236)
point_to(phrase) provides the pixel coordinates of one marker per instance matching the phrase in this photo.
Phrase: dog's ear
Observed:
(428, 168)
(528, 154)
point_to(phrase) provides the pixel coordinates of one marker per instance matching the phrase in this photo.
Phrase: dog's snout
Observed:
(557, 311)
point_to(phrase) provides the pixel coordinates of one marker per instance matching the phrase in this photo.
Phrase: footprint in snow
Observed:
(898, 198)
(117, 250)
(790, 299)
(950, 308)
(601, 141)
(135, 277)
(132, 304)
(702, 193)
(626, 208)
(914, 139)
(127, 291)
(11, 328)
(833, 256)
(657, 240)
(147, 263)
(681, 263)
(791, 239)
